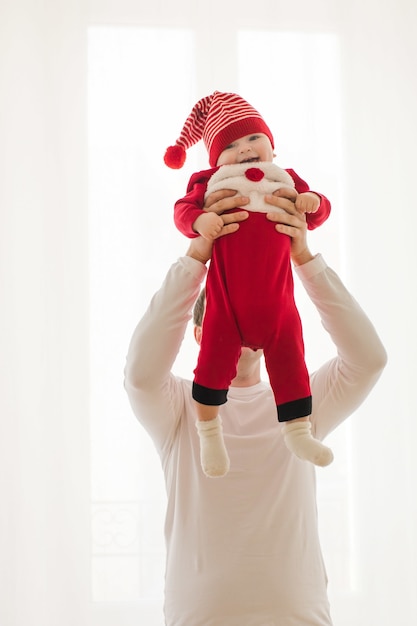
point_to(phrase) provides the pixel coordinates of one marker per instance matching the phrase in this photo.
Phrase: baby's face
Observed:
(248, 149)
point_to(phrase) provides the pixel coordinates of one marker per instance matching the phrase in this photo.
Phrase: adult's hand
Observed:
(290, 222)
(219, 202)
(224, 200)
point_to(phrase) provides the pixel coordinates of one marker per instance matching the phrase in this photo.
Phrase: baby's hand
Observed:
(307, 202)
(208, 225)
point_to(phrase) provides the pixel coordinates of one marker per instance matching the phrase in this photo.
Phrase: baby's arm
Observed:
(208, 225)
(307, 202)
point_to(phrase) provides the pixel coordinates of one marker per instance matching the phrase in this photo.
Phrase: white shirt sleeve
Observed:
(341, 384)
(155, 394)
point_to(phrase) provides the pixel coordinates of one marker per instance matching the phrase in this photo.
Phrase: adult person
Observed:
(244, 550)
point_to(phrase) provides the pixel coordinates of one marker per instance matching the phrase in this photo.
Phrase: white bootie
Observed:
(298, 439)
(213, 454)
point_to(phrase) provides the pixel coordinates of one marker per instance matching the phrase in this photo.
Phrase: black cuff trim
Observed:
(296, 408)
(210, 397)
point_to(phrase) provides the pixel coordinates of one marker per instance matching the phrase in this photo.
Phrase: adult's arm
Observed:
(155, 394)
(341, 385)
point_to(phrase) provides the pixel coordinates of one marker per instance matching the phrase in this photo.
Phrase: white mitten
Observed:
(299, 440)
(214, 458)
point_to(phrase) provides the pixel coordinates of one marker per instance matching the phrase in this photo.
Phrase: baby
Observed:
(249, 287)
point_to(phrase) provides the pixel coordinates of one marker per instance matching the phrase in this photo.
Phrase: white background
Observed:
(91, 95)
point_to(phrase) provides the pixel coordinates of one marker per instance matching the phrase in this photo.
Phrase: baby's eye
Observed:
(253, 137)
(230, 146)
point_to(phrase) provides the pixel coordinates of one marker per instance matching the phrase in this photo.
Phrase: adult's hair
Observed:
(198, 310)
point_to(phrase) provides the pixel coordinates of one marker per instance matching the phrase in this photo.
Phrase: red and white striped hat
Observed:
(219, 120)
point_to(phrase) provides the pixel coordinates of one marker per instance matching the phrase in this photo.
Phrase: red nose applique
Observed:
(254, 174)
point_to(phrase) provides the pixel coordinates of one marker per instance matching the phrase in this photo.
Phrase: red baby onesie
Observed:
(250, 302)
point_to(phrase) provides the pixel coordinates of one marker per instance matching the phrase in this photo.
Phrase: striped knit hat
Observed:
(219, 120)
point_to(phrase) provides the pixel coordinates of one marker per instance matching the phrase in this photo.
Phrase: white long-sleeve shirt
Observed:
(243, 550)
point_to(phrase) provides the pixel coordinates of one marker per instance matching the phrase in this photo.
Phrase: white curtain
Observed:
(64, 489)
(44, 440)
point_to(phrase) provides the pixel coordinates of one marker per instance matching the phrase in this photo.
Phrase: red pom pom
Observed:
(175, 157)
(254, 174)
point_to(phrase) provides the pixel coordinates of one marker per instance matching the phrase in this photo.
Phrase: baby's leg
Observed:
(284, 357)
(300, 441)
(213, 454)
(216, 367)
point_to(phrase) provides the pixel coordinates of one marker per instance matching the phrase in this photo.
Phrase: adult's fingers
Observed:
(237, 216)
(282, 202)
(231, 222)
(218, 195)
(223, 200)
(286, 192)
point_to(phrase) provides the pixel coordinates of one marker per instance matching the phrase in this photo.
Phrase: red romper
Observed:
(250, 302)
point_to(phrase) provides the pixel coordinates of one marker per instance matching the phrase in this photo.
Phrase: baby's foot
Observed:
(214, 458)
(298, 439)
